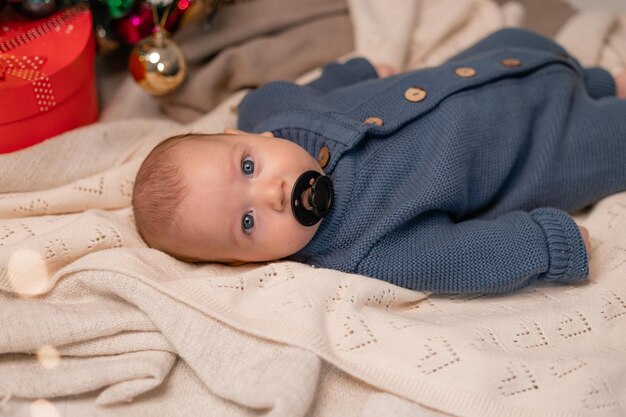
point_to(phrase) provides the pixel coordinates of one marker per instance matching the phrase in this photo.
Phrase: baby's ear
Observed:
(267, 134)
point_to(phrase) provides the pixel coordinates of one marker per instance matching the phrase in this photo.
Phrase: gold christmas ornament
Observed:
(157, 63)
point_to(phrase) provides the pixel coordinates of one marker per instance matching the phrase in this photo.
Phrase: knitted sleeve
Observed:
(335, 75)
(282, 96)
(599, 82)
(486, 256)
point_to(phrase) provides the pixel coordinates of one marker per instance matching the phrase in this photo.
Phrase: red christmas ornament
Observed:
(136, 25)
(139, 23)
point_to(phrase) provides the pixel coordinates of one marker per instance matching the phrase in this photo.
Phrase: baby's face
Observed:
(238, 205)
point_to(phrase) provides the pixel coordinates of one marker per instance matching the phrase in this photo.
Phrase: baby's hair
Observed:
(159, 189)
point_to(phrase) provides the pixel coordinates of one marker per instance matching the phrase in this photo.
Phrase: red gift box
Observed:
(47, 77)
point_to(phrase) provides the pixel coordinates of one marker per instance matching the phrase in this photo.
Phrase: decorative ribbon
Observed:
(28, 68)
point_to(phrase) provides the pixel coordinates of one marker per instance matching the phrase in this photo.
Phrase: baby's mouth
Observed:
(311, 197)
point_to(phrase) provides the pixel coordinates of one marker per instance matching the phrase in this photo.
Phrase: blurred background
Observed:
(180, 59)
(544, 16)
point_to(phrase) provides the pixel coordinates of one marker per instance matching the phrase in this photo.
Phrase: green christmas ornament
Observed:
(118, 8)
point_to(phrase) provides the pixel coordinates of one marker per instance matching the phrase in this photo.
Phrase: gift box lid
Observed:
(43, 62)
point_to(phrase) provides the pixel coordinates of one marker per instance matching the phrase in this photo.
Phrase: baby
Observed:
(457, 178)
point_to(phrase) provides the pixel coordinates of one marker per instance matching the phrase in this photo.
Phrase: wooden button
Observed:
(374, 120)
(415, 94)
(324, 156)
(465, 72)
(511, 62)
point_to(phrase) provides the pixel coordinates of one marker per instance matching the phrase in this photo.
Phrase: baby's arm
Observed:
(435, 253)
(278, 97)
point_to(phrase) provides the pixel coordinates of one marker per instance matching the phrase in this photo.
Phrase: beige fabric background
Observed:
(545, 16)
(253, 43)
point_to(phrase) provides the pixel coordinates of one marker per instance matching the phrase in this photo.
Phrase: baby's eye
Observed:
(247, 223)
(247, 166)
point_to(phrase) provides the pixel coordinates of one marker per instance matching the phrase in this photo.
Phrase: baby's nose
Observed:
(273, 194)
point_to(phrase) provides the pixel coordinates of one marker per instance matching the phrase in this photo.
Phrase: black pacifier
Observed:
(311, 198)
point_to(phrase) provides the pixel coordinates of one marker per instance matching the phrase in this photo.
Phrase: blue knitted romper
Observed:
(457, 178)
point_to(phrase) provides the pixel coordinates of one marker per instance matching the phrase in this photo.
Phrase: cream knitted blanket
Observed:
(95, 323)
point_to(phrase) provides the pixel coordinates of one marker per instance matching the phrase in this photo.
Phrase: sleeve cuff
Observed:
(566, 249)
(599, 82)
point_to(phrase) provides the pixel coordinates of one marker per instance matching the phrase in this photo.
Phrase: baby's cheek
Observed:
(298, 236)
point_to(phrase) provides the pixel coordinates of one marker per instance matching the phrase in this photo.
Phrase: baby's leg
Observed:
(591, 161)
(575, 157)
